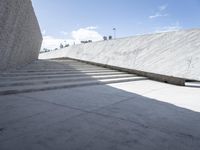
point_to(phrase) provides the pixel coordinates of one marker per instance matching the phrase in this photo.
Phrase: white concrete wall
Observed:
(174, 54)
(20, 36)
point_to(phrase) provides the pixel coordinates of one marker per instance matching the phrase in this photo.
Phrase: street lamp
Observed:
(114, 30)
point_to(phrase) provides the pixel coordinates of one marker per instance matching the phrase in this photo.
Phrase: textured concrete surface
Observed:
(40, 76)
(118, 116)
(20, 36)
(174, 54)
(184, 97)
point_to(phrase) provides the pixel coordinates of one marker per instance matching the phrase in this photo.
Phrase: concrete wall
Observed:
(173, 54)
(20, 36)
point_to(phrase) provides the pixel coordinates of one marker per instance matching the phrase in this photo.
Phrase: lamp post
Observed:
(114, 31)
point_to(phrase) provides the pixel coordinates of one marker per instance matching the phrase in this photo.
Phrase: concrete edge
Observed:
(153, 76)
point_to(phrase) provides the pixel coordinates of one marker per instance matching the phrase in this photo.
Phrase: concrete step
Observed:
(41, 69)
(58, 74)
(14, 74)
(78, 74)
(60, 66)
(34, 88)
(53, 66)
(59, 80)
(55, 70)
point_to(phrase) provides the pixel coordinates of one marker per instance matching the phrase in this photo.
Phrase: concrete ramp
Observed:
(172, 57)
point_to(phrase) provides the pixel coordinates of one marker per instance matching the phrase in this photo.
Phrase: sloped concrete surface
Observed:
(104, 116)
(20, 36)
(175, 54)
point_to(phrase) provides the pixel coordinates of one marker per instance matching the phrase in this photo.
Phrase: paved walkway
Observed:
(68, 105)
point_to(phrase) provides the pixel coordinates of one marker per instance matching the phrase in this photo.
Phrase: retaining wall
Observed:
(169, 57)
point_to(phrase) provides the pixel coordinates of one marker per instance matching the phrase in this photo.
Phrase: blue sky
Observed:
(76, 20)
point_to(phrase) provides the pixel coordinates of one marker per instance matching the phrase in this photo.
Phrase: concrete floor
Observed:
(92, 116)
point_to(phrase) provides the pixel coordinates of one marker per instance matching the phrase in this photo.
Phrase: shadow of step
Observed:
(60, 80)
(43, 87)
(53, 73)
(50, 76)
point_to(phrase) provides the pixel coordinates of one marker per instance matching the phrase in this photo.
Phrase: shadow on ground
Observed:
(95, 117)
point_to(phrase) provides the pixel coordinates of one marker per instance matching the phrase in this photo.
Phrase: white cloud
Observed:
(88, 33)
(63, 33)
(160, 12)
(82, 34)
(91, 28)
(51, 42)
(163, 7)
(174, 27)
(156, 15)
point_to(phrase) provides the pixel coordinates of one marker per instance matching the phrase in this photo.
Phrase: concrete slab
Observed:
(86, 99)
(93, 131)
(150, 113)
(20, 115)
(122, 116)
(185, 97)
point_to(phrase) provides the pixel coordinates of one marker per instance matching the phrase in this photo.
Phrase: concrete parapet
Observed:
(20, 35)
(172, 57)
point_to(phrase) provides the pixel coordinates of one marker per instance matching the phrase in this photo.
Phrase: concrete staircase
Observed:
(55, 74)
